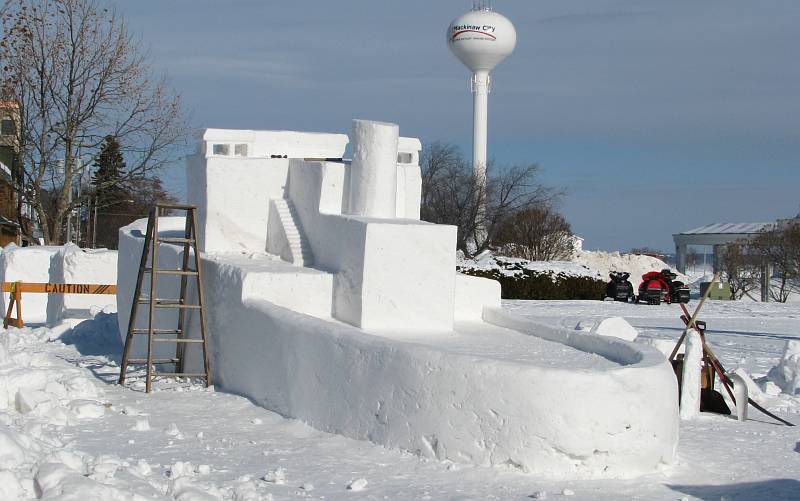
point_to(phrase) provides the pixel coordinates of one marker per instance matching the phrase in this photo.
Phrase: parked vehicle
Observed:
(620, 288)
(661, 286)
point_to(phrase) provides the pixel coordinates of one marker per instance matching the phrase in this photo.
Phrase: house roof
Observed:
(8, 222)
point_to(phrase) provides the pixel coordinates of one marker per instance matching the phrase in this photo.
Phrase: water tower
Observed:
(481, 39)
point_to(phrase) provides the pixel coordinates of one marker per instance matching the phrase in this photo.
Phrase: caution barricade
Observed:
(16, 289)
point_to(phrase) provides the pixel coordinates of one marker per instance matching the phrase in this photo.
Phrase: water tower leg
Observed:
(480, 132)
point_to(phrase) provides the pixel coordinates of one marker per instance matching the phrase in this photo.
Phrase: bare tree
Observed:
(79, 76)
(741, 269)
(451, 194)
(646, 251)
(536, 233)
(692, 258)
(779, 245)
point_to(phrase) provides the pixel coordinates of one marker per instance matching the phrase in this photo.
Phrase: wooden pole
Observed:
(691, 324)
(153, 295)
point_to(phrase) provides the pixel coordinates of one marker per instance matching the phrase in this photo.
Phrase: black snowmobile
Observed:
(619, 288)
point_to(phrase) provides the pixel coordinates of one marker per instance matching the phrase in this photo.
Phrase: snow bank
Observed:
(43, 397)
(39, 396)
(590, 264)
(27, 264)
(74, 265)
(635, 264)
(510, 266)
(787, 373)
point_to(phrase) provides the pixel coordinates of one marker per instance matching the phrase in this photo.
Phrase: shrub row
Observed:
(533, 284)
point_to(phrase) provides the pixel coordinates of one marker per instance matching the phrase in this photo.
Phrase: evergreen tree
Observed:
(107, 180)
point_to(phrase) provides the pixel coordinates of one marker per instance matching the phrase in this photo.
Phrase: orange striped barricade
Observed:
(17, 288)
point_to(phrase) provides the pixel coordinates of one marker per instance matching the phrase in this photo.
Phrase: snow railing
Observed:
(616, 350)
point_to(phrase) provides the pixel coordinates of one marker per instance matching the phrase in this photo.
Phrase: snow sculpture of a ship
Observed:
(329, 301)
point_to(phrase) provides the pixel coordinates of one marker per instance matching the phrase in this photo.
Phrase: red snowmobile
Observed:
(661, 286)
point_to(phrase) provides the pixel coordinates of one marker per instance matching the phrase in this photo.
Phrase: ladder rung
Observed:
(155, 361)
(179, 374)
(171, 272)
(176, 206)
(156, 331)
(170, 303)
(177, 340)
(175, 240)
(177, 272)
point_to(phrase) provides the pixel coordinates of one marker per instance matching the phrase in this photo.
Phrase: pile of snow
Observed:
(614, 327)
(73, 265)
(510, 266)
(591, 264)
(36, 399)
(787, 373)
(635, 264)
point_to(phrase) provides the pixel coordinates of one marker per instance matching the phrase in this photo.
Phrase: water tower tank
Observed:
(481, 39)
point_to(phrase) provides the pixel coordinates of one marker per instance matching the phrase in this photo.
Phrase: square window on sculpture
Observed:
(221, 149)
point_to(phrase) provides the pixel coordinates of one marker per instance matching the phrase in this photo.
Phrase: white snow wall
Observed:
(27, 264)
(73, 265)
(232, 193)
(232, 197)
(131, 242)
(51, 264)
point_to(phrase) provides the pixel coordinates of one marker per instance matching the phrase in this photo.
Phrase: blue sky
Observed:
(655, 116)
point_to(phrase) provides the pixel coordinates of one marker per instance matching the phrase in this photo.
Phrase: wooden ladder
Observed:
(178, 335)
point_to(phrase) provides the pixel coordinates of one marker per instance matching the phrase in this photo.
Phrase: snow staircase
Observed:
(298, 245)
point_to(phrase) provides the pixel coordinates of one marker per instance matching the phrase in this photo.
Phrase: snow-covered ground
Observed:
(68, 432)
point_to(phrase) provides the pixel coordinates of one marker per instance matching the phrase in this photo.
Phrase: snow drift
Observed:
(787, 373)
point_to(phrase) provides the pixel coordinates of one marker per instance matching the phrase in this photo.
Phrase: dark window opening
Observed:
(7, 127)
